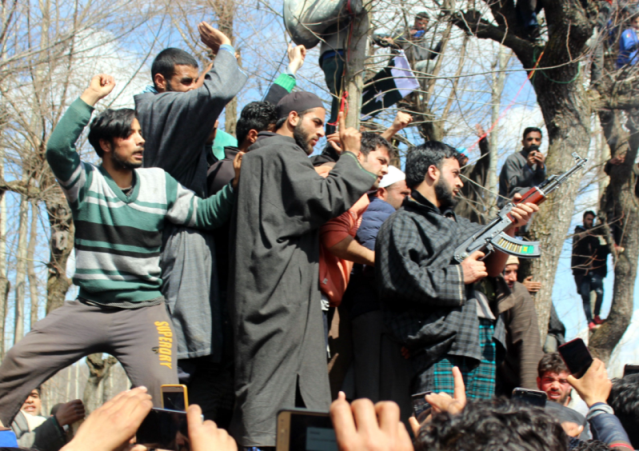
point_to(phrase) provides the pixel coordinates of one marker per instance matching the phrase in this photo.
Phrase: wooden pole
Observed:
(354, 78)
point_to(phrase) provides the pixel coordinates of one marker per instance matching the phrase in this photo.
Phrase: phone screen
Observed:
(532, 397)
(576, 356)
(630, 369)
(173, 400)
(311, 432)
(421, 408)
(164, 429)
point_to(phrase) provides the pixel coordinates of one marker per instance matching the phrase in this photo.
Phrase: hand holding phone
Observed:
(164, 429)
(594, 386)
(576, 356)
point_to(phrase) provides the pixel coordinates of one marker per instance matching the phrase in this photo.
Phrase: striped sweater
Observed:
(118, 237)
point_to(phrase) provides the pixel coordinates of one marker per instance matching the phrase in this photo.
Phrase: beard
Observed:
(302, 138)
(123, 164)
(444, 193)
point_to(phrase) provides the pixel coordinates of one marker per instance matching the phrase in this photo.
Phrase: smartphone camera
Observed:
(534, 398)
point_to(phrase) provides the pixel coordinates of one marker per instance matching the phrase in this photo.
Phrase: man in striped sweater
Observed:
(119, 211)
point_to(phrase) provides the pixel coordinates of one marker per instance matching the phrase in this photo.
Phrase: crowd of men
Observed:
(248, 277)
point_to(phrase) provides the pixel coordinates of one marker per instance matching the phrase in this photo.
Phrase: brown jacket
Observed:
(519, 368)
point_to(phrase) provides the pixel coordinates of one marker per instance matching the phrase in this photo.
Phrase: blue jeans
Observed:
(591, 282)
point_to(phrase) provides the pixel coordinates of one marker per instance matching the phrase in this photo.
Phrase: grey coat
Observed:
(176, 126)
(517, 177)
(274, 296)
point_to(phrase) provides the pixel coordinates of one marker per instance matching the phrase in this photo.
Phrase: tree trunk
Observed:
(31, 274)
(618, 206)
(354, 77)
(61, 246)
(21, 270)
(99, 369)
(567, 119)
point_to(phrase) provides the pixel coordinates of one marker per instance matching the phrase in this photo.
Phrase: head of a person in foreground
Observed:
(117, 138)
(392, 188)
(301, 117)
(624, 400)
(174, 70)
(432, 169)
(495, 425)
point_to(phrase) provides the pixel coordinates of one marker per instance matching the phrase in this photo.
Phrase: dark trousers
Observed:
(141, 339)
(527, 10)
(591, 282)
(333, 67)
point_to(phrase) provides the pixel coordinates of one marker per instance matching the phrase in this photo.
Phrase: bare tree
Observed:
(566, 106)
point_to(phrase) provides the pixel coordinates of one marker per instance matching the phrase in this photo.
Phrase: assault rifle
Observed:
(493, 237)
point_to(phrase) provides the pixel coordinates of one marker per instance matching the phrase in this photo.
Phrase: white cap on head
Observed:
(394, 175)
(512, 260)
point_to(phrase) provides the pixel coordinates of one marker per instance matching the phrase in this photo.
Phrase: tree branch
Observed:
(618, 91)
(472, 23)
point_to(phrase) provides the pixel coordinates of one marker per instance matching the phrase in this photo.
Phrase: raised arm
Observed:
(184, 207)
(285, 83)
(191, 115)
(61, 153)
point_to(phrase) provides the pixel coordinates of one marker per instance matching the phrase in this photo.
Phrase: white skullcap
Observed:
(394, 175)
(512, 260)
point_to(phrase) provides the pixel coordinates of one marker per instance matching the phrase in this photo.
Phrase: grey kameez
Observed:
(274, 295)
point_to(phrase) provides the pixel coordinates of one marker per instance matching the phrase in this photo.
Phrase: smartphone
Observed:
(164, 429)
(174, 397)
(303, 430)
(576, 356)
(533, 397)
(630, 369)
(421, 408)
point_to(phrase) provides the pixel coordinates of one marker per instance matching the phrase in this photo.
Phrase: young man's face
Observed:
(309, 129)
(449, 183)
(184, 79)
(589, 221)
(635, 23)
(532, 138)
(128, 152)
(376, 162)
(33, 404)
(394, 194)
(421, 24)
(510, 274)
(555, 385)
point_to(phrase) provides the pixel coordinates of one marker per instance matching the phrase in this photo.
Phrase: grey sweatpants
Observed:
(141, 339)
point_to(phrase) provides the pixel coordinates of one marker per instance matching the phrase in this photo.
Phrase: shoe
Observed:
(592, 326)
(598, 321)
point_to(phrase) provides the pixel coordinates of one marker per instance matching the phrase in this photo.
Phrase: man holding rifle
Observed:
(444, 313)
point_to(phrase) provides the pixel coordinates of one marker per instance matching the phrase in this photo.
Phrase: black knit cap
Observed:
(297, 101)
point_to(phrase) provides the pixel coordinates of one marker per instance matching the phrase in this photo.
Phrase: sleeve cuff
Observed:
(228, 48)
(286, 81)
(599, 408)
